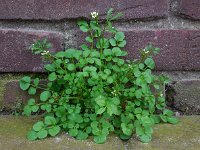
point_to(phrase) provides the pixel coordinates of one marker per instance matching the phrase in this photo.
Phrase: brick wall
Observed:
(172, 25)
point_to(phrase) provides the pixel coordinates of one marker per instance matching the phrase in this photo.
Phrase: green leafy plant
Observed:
(94, 90)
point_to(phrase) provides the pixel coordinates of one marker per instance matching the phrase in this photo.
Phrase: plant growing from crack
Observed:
(94, 90)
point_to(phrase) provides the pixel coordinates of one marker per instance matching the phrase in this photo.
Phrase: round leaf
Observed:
(71, 67)
(49, 120)
(82, 135)
(119, 36)
(38, 126)
(32, 135)
(54, 130)
(49, 67)
(150, 63)
(42, 134)
(73, 132)
(45, 95)
(25, 83)
(52, 76)
(100, 139)
(32, 91)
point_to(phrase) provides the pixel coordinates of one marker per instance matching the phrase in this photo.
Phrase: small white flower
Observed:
(161, 95)
(145, 51)
(94, 14)
(114, 92)
(45, 53)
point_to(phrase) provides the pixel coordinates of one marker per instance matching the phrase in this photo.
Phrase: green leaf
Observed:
(35, 108)
(44, 96)
(107, 71)
(84, 28)
(101, 100)
(36, 81)
(110, 80)
(84, 47)
(31, 101)
(116, 100)
(25, 83)
(81, 135)
(150, 63)
(138, 110)
(103, 42)
(42, 134)
(145, 138)
(138, 93)
(139, 131)
(71, 67)
(89, 39)
(49, 120)
(86, 53)
(107, 52)
(52, 76)
(88, 130)
(50, 67)
(32, 135)
(68, 91)
(59, 54)
(31, 90)
(46, 107)
(100, 139)
(112, 109)
(27, 110)
(101, 110)
(127, 131)
(146, 121)
(38, 126)
(113, 42)
(117, 51)
(117, 16)
(119, 36)
(168, 112)
(172, 120)
(73, 132)
(82, 22)
(122, 43)
(109, 13)
(54, 130)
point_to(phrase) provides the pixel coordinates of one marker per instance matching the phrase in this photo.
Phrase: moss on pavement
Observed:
(185, 135)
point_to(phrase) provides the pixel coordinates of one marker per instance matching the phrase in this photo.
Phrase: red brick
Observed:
(67, 9)
(14, 53)
(180, 49)
(13, 94)
(189, 9)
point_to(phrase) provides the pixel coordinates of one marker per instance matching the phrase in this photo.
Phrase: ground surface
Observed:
(184, 136)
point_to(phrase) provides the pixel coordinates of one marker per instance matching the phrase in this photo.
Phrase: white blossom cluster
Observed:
(94, 14)
(145, 51)
(114, 93)
(45, 53)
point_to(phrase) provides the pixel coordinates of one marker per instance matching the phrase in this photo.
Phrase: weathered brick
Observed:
(67, 9)
(14, 53)
(185, 97)
(189, 9)
(180, 49)
(13, 94)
